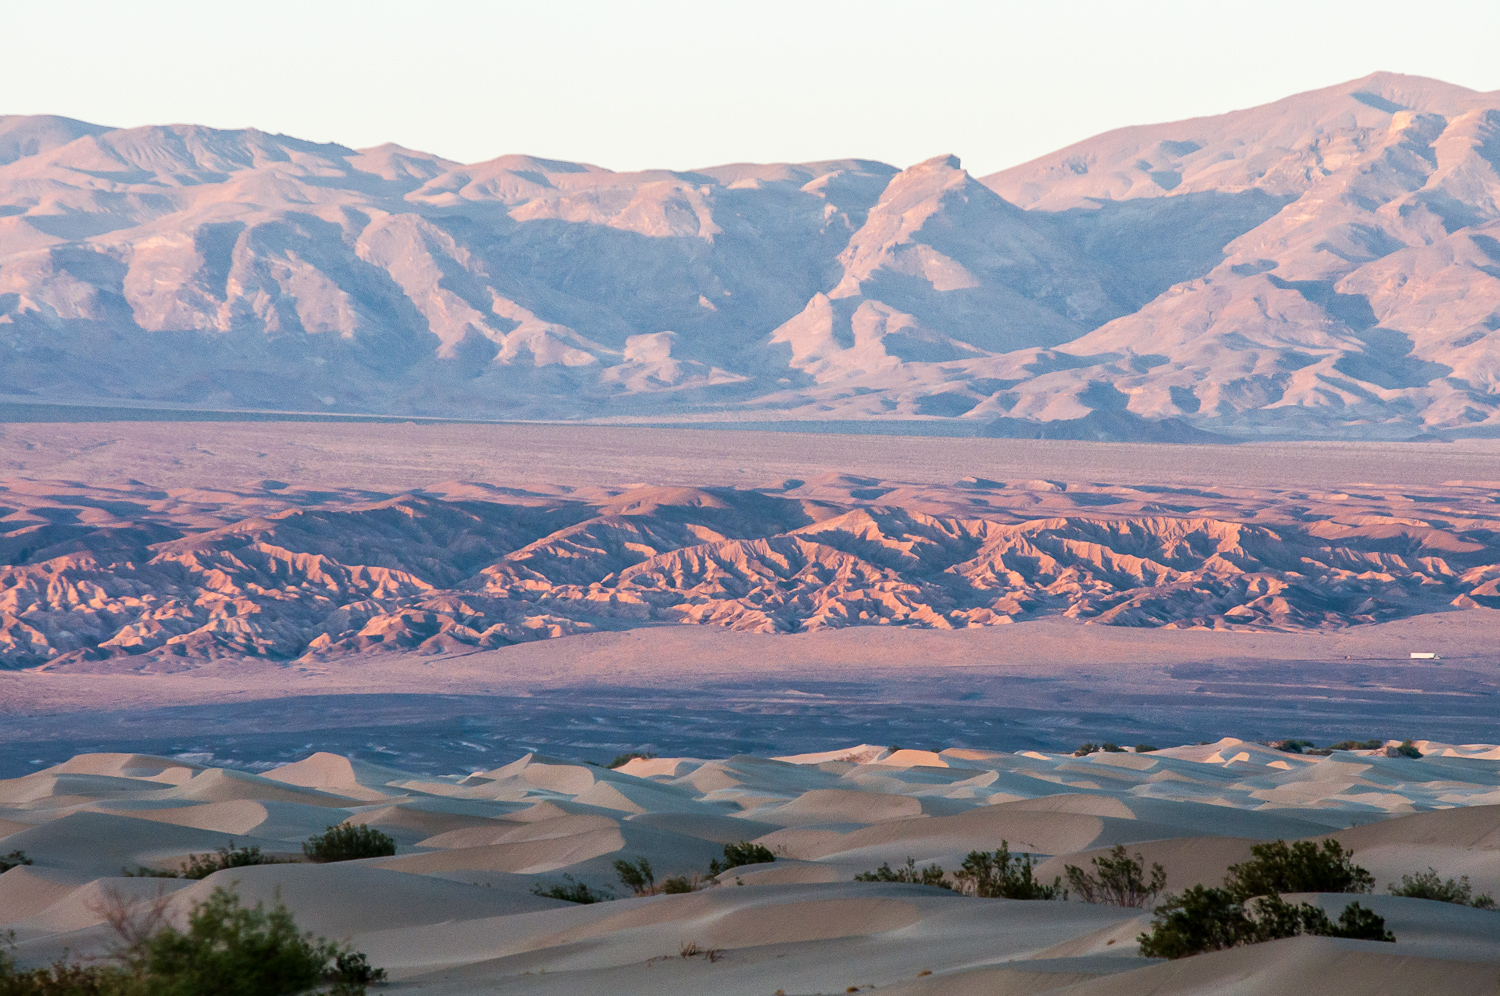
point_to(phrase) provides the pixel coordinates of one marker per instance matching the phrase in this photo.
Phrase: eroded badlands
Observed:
(271, 570)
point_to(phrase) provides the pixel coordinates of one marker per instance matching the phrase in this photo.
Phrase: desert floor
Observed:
(425, 746)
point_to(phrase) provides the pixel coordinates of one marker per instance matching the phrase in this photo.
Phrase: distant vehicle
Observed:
(1424, 657)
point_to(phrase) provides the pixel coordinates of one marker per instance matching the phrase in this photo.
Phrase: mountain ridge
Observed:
(1326, 266)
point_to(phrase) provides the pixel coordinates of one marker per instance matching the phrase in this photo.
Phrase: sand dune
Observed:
(453, 911)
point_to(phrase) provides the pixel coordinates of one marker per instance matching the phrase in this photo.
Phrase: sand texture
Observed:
(454, 912)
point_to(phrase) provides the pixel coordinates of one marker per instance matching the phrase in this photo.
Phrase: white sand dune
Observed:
(454, 910)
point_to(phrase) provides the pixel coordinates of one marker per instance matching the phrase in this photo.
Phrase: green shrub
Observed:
(225, 950)
(1302, 866)
(1119, 880)
(1003, 875)
(573, 891)
(636, 876)
(1408, 749)
(1208, 919)
(200, 866)
(255, 951)
(1145, 748)
(346, 842)
(910, 874)
(1085, 750)
(1358, 745)
(1292, 746)
(1427, 885)
(678, 884)
(743, 853)
(14, 859)
(1110, 748)
(1200, 919)
(625, 759)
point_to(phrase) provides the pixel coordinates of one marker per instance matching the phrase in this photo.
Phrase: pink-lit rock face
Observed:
(287, 572)
(1325, 266)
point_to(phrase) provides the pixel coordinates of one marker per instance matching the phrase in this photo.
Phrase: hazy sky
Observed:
(675, 84)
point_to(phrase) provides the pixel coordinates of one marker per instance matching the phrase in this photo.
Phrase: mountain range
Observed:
(1326, 266)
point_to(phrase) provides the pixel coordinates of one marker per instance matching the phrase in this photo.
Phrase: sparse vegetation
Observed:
(636, 876)
(1110, 748)
(625, 759)
(678, 884)
(1302, 866)
(200, 866)
(743, 853)
(1358, 745)
(1003, 875)
(1210, 919)
(14, 859)
(1145, 748)
(349, 842)
(1429, 885)
(226, 948)
(1118, 880)
(1291, 746)
(1084, 750)
(908, 873)
(571, 890)
(1407, 749)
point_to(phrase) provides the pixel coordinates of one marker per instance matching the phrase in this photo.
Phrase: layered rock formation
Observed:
(281, 572)
(1326, 266)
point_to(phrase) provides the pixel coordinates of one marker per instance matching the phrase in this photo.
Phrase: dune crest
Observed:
(457, 906)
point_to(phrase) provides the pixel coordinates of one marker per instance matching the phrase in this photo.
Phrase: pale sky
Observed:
(660, 83)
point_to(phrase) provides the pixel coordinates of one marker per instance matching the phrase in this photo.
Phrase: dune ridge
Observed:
(454, 910)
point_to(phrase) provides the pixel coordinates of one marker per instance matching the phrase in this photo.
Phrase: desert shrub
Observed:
(1302, 866)
(636, 876)
(1003, 875)
(909, 874)
(571, 890)
(141, 871)
(199, 866)
(1428, 885)
(1145, 748)
(14, 859)
(679, 884)
(1119, 880)
(1292, 746)
(226, 949)
(1210, 919)
(625, 759)
(1202, 918)
(743, 853)
(351, 973)
(1084, 750)
(1358, 745)
(346, 842)
(1407, 749)
(1110, 748)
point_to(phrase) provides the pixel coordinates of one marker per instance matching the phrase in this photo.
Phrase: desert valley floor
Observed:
(250, 631)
